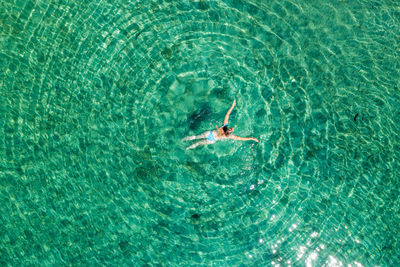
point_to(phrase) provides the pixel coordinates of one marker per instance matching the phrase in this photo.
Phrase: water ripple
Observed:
(96, 94)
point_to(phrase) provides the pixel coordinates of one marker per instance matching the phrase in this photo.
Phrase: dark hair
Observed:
(227, 130)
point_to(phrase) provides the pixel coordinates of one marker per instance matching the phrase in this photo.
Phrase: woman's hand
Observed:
(234, 103)
(255, 139)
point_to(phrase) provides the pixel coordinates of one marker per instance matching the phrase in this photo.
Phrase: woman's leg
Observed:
(200, 136)
(202, 142)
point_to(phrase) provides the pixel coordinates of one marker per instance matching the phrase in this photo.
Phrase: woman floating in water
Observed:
(222, 133)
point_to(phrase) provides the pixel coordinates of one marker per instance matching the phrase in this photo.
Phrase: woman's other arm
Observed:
(243, 138)
(229, 112)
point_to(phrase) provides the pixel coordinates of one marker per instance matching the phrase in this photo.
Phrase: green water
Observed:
(95, 96)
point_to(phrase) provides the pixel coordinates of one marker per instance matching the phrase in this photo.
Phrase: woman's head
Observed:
(227, 130)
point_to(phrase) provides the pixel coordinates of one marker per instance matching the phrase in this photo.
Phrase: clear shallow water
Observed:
(94, 98)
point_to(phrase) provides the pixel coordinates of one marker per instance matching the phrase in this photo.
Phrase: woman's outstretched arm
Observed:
(244, 138)
(229, 112)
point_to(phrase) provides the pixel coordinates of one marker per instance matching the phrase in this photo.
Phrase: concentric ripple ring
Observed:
(95, 97)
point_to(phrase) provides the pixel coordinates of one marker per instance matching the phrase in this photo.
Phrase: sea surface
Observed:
(95, 97)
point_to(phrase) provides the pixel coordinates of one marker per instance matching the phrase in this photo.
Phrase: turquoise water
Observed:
(94, 98)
